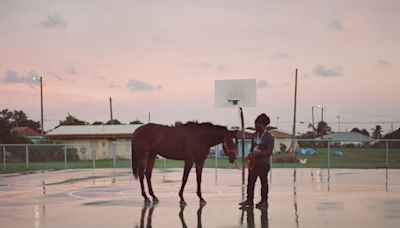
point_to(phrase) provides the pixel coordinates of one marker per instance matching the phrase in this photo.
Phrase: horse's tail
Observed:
(134, 161)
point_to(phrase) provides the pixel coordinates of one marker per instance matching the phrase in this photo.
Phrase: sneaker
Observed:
(246, 203)
(262, 204)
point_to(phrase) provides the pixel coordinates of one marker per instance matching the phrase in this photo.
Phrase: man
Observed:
(262, 144)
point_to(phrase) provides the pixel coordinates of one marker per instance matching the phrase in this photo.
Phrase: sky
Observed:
(163, 57)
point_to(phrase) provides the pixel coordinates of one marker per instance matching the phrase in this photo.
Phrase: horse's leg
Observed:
(199, 168)
(188, 166)
(149, 170)
(142, 167)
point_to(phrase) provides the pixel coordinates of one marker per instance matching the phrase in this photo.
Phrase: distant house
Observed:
(99, 141)
(343, 138)
(27, 132)
(283, 141)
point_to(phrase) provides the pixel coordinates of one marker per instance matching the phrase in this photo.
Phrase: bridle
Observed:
(229, 152)
(226, 148)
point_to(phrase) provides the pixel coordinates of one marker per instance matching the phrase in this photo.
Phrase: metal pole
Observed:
(387, 164)
(216, 164)
(329, 165)
(27, 156)
(111, 112)
(313, 126)
(242, 124)
(4, 157)
(114, 152)
(294, 114)
(41, 107)
(65, 156)
(94, 158)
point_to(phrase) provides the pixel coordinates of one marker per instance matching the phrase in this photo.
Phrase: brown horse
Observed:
(190, 142)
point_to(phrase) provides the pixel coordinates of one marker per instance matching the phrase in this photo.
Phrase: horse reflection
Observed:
(199, 212)
(146, 224)
(250, 217)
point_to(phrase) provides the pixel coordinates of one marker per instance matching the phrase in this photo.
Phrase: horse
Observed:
(189, 142)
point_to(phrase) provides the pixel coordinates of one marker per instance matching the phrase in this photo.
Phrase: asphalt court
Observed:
(111, 198)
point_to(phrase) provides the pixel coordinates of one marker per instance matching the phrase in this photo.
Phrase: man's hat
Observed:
(262, 119)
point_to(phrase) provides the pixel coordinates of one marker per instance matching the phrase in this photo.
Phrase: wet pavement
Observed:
(111, 198)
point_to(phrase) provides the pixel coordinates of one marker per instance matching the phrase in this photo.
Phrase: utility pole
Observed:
(313, 126)
(294, 113)
(41, 106)
(111, 112)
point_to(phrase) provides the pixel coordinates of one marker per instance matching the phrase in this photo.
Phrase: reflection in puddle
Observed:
(149, 216)
(250, 217)
(199, 212)
(295, 198)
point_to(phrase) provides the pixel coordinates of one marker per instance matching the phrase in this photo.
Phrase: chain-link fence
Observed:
(308, 154)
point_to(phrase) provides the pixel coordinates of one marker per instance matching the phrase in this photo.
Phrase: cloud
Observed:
(262, 84)
(71, 70)
(141, 86)
(336, 24)
(112, 85)
(383, 63)
(12, 77)
(323, 71)
(207, 65)
(281, 55)
(53, 22)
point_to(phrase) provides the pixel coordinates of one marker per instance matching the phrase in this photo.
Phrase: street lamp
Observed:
(322, 112)
(41, 104)
(338, 117)
(277, 121)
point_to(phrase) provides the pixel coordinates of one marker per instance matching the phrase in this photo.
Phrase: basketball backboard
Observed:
(235, 93)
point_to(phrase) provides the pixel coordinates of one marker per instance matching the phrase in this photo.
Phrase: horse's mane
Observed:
(195, 124)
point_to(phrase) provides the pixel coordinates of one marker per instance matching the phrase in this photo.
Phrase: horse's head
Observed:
(229, 145)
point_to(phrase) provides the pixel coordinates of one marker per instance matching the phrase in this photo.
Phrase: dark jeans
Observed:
(261, 171)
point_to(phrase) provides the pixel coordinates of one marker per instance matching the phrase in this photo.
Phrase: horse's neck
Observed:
(212, 138)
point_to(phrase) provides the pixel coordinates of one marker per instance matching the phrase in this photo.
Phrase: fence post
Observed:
(216, 164)
(93, 157)
(130, 146)
(65, 156)
(329, 164)
(387, 164)
(27, 156)
(114, 152)
(4, 157)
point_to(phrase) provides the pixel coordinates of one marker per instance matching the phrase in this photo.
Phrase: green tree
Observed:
(136, 122)
(6, 123)
(365, 132)
(377, 134)
(178, 123)
(113, 121)
(323, 128)
(72, 120)
(18, 118)
(356, 130)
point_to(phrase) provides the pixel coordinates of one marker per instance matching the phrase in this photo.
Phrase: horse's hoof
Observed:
(155, 201)
(147, 202)
(182, 203)
(203, 202)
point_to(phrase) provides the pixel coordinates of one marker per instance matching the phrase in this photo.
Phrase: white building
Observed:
(99, 141)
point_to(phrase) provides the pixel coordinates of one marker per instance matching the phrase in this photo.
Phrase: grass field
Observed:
(360, 158)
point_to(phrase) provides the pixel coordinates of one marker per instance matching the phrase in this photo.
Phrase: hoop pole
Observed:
(242, 124)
